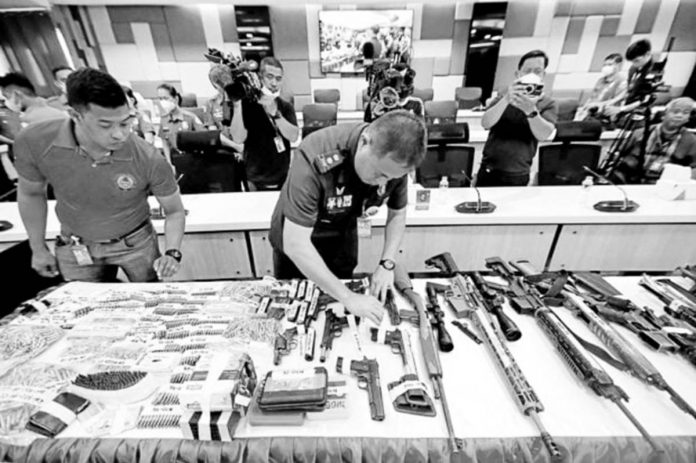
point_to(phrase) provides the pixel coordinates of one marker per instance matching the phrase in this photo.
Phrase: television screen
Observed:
(349, 38)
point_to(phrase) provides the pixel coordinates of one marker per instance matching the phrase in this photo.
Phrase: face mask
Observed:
(267, 92)
(167, 106)
(607, 70)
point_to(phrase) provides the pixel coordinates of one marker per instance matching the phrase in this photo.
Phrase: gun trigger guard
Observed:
(362, 383)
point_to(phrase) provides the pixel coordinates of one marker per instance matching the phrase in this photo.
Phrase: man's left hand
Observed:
(523, 102)
(166, 266)
(382, 280)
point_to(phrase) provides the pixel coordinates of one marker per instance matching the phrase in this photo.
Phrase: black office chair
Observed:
(454, 161)
(468, 97)
(327, 95)
(567, 107)
(440, 112)
(562, 163)
(189, 100)
(317, 116)
(206, 165)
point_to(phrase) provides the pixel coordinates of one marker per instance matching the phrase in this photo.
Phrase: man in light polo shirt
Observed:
(101, 175)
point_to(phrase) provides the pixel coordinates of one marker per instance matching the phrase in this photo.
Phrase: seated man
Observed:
(609, 91)
(517, 121)
(20, 97)
(669, 142)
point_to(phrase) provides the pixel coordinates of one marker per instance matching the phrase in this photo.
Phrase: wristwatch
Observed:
(174, 254)
(534, 113)
(387, 264)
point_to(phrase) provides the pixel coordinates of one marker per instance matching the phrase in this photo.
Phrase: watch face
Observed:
(388, 264)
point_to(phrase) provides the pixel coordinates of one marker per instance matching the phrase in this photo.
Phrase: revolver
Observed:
(283, 344)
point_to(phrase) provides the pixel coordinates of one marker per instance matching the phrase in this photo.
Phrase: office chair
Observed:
(446, 160)
(440, 112)
(562, 163)
(468, 97)
(189, 100)
(327, 95)
(199, 112)
(425, 94)
(206, 165)
(317, 116)
(289, 97)
(567, 107)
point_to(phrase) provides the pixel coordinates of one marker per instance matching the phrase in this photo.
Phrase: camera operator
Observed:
(393, 89)
(640, 55)
(266, 127)
(517, 121)
(608, 92)
(669, 142)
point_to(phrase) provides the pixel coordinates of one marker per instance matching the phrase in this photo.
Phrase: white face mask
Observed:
(267, 92)
(167, 106)
(607, 70)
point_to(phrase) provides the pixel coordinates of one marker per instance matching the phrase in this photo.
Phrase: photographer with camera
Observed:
(392, 88)
(266, 125)
(517, 121)
(669, 142)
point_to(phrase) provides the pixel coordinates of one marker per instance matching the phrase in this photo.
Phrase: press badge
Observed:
(280, 146)
(81, 253)
(364, 227)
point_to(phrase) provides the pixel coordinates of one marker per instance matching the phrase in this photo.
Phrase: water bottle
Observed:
(444, 182)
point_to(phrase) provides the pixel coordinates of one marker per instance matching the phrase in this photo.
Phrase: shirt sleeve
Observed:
(145, 123)
(288, 112)
(550, 111)
(25, 158)
(302, 193)
(162, 182)
(398, 199)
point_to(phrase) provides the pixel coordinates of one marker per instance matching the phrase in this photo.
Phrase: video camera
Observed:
(245, 82)
(388, 83)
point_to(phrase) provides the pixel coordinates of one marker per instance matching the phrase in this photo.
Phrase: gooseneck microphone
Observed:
(613, 206)
(474, 207)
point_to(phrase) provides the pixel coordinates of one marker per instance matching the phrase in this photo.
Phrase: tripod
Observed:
(615, 166)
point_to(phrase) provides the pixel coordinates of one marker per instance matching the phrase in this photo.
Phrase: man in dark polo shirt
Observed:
(517, 121)
(266, 128)
(101, 174)
(340, 176)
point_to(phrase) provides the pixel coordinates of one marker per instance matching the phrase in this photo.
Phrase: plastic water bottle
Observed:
(444, 182)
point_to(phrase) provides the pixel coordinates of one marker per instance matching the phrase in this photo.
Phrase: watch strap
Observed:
(173, 253)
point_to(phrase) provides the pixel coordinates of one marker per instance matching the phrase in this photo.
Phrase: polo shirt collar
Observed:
(66, 139)
(176, 116)
(352, 145)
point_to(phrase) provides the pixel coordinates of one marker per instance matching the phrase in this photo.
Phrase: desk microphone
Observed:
(613, 206)
(474, 207)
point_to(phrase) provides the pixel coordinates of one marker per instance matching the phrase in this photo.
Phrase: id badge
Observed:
(81, 254)
(364, 227)
(280, 146)
(422, 200)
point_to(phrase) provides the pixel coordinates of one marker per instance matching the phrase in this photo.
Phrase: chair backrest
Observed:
(189, 100)
(327, 95)
(365, 98)
(425, 94)
(567, 108)
(207, 167)
(446, 160)
(317, 116)
(289, 97)
(199, 112)
(468, 97)
(440, 112)
(562, 163)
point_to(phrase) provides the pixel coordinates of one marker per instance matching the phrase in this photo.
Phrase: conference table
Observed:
(485, 417)
(552, 227)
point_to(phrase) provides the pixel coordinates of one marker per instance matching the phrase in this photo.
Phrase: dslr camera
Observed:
(533, 90)
(245, 82)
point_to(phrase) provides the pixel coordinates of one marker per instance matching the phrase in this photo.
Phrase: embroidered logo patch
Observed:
(125, 182)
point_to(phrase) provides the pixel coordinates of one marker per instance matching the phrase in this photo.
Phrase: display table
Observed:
(484, 415)
(227, 233)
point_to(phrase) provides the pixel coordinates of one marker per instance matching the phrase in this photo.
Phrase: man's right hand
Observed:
(363, 305)
(44, 263)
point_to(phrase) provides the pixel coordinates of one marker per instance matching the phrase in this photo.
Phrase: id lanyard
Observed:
(278, 138)
(662, 156)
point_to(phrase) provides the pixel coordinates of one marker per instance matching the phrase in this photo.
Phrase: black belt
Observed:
(120, 238)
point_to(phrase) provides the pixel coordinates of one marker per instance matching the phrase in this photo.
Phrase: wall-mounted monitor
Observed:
(350, 37)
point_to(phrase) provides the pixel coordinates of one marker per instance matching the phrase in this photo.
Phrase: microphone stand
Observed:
(474, 207)
(613, 206)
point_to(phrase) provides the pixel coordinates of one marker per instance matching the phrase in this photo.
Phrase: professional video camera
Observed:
(245, 82)
(388, 83)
